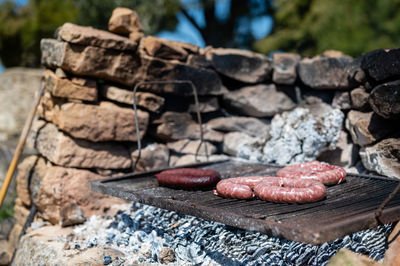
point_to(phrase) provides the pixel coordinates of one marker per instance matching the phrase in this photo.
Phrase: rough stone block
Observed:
(187, 146)
(249, 125)
(124, 21)
(166, 49)
(359, 98)
(108, 64)
(383, 157)
(20, 212)
(65, 88)
(206, 105)
(284, 68)
(154, 156)
(327, 72)
(88, 36)
(385, 100)
(341, 100)
(63, 150)
(206, 81)
(103, 122)
(191, 159)
(241, 145)
(367, 128)
(177, 126)
(241, 65)
(30, 174)
(63, 187)
(382, 63)
(147, 100)
(259, 100)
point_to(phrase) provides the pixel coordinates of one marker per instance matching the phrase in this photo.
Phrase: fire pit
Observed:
(348, 207)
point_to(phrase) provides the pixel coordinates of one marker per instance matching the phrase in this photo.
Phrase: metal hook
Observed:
(164, 82)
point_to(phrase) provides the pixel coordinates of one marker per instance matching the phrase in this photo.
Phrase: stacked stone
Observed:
(282, 109)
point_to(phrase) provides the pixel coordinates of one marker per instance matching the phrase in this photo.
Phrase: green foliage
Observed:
(22, 28)
(6, 211)
(313, 26)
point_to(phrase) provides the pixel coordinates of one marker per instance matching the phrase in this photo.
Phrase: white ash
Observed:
(143, 231)
(300, 135)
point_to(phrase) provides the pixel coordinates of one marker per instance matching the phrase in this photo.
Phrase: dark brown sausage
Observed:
(188, 178)
(290, 190)
(238, 187)
(323, 172)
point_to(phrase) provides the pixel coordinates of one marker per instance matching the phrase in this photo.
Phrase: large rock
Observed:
(385, 100)
(187, 146)
(383, 157)
(63, 150)
(48, 245)
(382, 63)
(103, 122)
(189, 159)
(5, 252)
(392, 254)
(124, 21)
(284, 65)
(359, 98)
(259, 100)
(348, 257)
(241, 65)
(177, 126)
(249, 125)
(302, 134)
(206, 105)
(146, 100)
(17, 89)
(367, 128)
(153, 156)
(29, 177)
(241, 145)
(88, 36)
(326, 72)
(345, 153)
(65, 88)
(21, 212)
(63, 187)
(206, 81)
(166, 49)
(109, 64)
(341, 100)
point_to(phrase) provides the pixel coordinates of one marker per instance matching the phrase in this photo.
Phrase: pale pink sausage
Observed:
(289, 190)
(238, 187)
(323, 172)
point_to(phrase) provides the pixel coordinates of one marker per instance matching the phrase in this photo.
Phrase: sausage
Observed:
(188, 178)
(323, 172)
(290, 190)
(238, 187)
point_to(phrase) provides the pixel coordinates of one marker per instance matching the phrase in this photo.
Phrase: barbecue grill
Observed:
(348, 207)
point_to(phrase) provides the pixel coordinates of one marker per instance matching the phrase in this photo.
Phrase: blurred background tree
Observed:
(310, 27)
(307, 27)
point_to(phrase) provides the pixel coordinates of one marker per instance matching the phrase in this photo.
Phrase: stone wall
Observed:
(281, 109)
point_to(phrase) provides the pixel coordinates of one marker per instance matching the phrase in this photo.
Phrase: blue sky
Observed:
(186, 32)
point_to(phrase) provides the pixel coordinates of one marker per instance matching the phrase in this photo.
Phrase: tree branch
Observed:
(186, 14)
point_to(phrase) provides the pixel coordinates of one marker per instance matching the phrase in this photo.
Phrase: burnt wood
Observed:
(348, 207)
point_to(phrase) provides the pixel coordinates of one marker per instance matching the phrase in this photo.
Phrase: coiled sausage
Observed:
(323, 172)
(279, 189)
(238, 187)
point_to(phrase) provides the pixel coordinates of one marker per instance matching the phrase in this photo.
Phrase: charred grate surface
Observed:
(348, 207)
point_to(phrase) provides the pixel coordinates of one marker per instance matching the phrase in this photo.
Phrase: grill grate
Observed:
(347, 208)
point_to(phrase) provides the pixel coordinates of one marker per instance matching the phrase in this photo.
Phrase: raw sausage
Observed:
(238, 187)
(323, 172)
(188, 178)
(290, 190)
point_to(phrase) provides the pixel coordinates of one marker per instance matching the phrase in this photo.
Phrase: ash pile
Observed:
(281, 109)
(142, 234)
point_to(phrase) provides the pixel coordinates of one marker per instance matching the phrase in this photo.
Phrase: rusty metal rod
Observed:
(379, 211)
(20, 147)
